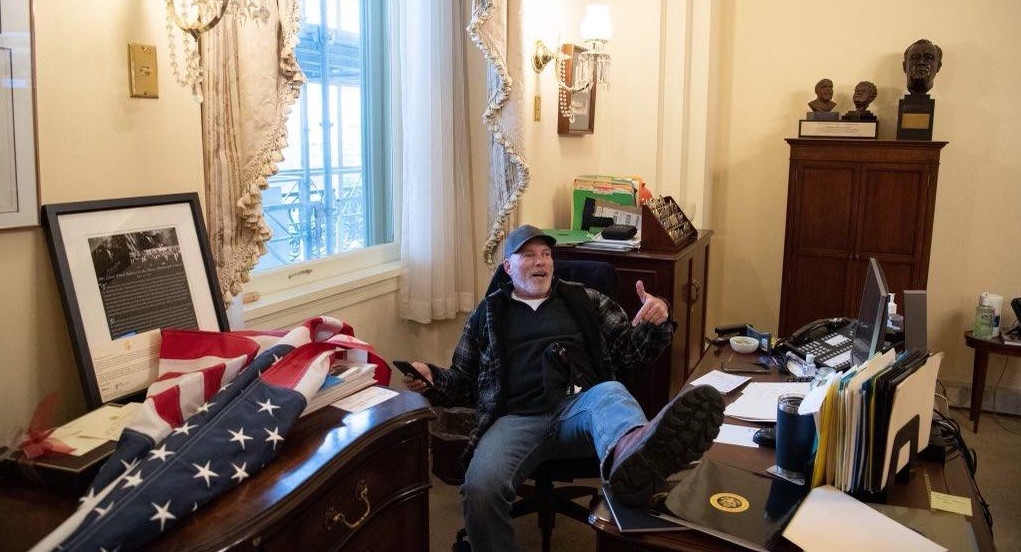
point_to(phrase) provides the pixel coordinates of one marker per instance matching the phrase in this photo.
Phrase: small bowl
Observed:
(744, 345)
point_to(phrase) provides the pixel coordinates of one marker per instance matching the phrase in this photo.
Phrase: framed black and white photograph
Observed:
(18, 186)
(126, 269)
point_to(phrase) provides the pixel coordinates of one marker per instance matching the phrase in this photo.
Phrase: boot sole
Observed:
(686, 431)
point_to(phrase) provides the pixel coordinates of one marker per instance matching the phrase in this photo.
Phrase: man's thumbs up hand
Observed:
(654, 310)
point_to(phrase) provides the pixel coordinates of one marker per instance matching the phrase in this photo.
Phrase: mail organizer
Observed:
(664, 226)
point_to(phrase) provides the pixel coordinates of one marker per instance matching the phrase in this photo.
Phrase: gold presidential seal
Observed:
(729, 502)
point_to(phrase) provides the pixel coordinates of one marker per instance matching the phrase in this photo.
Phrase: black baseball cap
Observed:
(520, 235)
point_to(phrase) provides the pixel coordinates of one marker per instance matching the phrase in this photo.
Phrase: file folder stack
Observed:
(872, 419)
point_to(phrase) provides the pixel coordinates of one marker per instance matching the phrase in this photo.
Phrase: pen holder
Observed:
(795, 438)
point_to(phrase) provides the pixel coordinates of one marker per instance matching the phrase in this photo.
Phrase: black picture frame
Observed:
(106, 255)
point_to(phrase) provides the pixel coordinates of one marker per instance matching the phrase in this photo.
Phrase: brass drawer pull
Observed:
(333, 514)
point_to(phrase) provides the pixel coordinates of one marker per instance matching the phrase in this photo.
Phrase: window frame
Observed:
(382, 250)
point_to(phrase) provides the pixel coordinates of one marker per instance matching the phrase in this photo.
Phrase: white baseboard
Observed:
(1007, 400)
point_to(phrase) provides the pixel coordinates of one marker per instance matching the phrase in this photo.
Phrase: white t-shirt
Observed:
(534, 303)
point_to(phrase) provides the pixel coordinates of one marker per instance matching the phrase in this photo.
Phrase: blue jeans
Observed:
(513, 447)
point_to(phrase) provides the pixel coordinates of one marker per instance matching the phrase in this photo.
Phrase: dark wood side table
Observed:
(295, 502)
(951, 478)
(681, 277)
(978, 377)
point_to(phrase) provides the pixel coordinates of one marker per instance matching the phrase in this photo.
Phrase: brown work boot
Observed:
(677, 436)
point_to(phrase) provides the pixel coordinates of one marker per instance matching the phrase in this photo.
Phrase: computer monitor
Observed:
(870, 328)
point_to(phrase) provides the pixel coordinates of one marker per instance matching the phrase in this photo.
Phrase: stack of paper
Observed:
(96, 428)
(346, 377)
(721, 381)
(829, 520)
(758, 401)
(859, 413)
(601, 243)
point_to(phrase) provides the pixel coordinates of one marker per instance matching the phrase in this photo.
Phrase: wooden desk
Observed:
(950, 478)
(682, 278)
(292, 503)
(978, 376)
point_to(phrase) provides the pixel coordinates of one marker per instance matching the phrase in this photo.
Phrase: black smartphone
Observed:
(745, 368)
(408, 370)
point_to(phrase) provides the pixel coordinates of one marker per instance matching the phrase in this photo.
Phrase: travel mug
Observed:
(795, 437)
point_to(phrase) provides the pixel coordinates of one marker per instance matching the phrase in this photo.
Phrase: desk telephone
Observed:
(829, 339)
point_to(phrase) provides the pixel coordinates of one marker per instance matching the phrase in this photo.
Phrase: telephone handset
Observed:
(814, 331)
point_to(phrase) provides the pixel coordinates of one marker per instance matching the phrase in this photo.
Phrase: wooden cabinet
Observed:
(849, 200)
(680, 277)
(342, 482)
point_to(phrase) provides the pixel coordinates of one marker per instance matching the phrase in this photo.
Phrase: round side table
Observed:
(978, 378)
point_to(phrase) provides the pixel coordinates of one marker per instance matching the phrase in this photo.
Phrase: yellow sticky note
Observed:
(950, 503)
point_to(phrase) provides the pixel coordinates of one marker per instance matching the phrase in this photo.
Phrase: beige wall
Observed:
(630, 129)
(772, 55)
(93, 142)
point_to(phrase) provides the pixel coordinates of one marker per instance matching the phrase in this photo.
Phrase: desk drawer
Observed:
(401, 528)
(359, 494)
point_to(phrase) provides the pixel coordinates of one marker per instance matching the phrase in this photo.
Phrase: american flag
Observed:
(220, 411)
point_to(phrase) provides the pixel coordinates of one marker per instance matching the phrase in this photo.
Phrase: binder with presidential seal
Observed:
(736, 505)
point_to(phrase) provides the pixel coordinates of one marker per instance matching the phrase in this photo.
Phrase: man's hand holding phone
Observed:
(417, 375)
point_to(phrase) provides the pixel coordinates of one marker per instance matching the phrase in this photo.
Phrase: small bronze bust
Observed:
(864, 94)
(823, 96)
(922, 60)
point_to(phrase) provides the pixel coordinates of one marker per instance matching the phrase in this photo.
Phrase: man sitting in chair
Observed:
(537, 360)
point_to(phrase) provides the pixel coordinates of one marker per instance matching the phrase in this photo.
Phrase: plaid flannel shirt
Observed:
(476, 376)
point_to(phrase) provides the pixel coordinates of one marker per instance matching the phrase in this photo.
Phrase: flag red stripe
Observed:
(213, 379)
(288, 371)
(168, 406)
(189, 344)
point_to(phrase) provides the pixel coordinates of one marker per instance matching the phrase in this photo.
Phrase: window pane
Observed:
(351, 117)
(329, 141)
(350, 21)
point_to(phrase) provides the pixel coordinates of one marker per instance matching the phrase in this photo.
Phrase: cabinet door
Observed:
(892, 225)
(695, 298)
(820, 242)
(650, 384)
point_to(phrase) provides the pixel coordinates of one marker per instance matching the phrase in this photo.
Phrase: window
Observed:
(333, 193)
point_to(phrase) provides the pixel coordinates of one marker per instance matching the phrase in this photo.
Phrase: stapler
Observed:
(724, 333)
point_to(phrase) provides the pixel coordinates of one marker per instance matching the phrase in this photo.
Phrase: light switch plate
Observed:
(144, 76)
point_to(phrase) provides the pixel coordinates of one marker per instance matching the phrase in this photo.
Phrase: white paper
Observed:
(126, 365)
(737, 435)
(365, 399)
(95, 428)
(831, 521)
(758, 401)
(721, 381)
(815, 397)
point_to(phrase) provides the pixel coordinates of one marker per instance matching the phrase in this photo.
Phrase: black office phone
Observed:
(828, 339)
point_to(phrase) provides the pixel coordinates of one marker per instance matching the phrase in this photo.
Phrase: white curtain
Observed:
(431, 159)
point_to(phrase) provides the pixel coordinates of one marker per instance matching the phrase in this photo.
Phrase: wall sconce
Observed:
(593, 64)
(191, 18)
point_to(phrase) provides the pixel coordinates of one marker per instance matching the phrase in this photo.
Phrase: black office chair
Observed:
(541, 496)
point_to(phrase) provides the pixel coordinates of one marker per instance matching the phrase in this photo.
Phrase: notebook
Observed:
(638, 520)
(736, 505)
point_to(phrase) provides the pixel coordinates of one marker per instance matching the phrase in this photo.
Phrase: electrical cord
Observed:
(952, 428)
